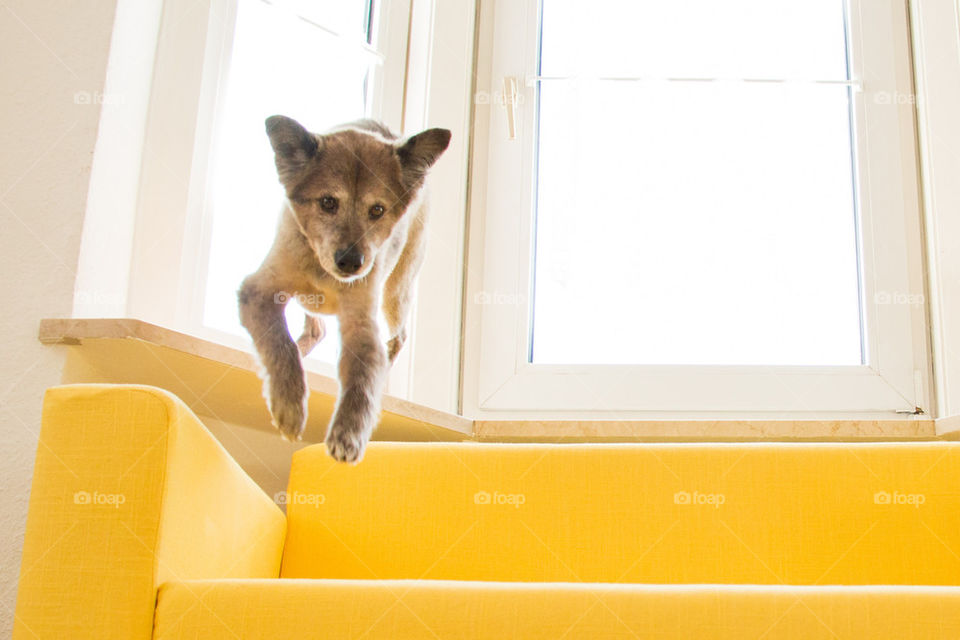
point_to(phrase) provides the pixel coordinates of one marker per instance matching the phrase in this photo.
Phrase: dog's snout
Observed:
(348, 260)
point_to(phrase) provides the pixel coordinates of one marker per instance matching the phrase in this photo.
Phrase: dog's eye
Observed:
(329, 204)
(376, 211)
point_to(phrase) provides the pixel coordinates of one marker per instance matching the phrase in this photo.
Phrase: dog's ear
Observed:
(293, 145)
(418, 153)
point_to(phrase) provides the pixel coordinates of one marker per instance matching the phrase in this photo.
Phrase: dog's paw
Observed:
(346, 445)
(395, 344)
(288, 410)
(313, 333)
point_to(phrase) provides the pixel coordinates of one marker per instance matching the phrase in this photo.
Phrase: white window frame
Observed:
(158, 237)
(500, 382)
(936, 39)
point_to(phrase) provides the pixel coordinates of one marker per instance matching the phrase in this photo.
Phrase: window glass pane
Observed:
(348, 18)
(695, 38)
(282, 64)
(695, 223)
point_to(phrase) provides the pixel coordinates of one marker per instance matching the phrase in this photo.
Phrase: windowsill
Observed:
(220, 382)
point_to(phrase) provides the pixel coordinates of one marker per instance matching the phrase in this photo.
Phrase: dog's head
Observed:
(349, 188)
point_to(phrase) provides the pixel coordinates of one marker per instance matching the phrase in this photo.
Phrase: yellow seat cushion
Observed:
(762, 513)
(255, 609)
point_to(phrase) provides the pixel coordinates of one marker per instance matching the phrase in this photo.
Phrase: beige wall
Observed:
(53, 58)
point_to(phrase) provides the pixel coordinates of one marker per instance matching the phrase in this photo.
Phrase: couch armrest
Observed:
(131, 490)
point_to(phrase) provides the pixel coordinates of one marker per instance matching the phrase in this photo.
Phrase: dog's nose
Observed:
(348, 260)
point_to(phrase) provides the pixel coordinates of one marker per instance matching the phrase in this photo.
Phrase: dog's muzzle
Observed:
(348, 261)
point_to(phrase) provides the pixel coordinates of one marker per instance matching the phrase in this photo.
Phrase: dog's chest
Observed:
(321, 300)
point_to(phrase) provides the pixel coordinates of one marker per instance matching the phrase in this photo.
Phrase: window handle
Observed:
(510, 102)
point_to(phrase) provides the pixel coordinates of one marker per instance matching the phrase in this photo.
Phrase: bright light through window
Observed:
(307, 60)
(698, 209)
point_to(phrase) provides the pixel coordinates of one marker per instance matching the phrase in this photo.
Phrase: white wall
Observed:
(53, 58)
(103, 271)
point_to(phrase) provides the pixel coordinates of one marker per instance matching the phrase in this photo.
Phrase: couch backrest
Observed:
(769, 513)
(131, 490)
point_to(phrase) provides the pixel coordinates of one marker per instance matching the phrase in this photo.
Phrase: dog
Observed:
(350, 243)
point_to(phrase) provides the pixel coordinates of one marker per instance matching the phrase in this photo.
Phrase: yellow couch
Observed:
(142, 526)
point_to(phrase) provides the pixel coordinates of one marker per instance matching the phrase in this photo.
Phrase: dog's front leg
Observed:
(284, 382)
(398, 289)
(397, 297)
(363, 371)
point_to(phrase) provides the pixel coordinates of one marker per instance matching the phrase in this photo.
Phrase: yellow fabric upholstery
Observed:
(141, 526)
(369, 609)
(130, 490)
(770, 513)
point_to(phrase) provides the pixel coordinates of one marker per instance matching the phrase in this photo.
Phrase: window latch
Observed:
(510, 101)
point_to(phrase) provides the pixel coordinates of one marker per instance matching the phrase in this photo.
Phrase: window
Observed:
(695, 209)
(708, 206)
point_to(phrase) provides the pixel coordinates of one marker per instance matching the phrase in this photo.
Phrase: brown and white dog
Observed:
(350, 242)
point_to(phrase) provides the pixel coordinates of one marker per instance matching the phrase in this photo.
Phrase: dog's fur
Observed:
(362, 167)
